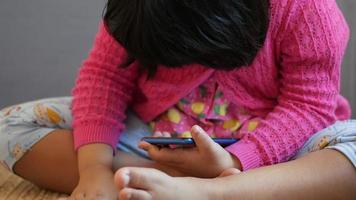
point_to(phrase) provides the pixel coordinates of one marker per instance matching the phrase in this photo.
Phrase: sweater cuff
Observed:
(90, 134)
(247, 153)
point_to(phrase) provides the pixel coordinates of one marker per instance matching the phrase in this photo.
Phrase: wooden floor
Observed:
(13, 187)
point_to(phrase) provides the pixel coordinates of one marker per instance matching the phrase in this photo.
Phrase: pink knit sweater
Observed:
(293, 84)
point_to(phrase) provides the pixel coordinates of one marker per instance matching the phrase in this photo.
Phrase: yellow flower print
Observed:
(323, 142)
(320, 143)
(198, 107)
(53, 116)
(164, 117)
(7, 111)
(186, 134)
(252, 125)
(46, 115)
(222, 110)
(243, 111)
(232, 124)
(180, 105)
(17, 151)
(152, 125)
(173, 115)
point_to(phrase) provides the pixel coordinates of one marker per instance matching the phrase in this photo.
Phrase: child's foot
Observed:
(147, 183)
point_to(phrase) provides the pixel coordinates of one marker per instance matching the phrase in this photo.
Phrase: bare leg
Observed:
(325, 174)
(52, 162)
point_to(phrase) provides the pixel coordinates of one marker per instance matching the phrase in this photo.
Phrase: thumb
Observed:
(202, 139)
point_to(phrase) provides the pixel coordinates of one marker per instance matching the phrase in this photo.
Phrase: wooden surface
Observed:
(14, 188)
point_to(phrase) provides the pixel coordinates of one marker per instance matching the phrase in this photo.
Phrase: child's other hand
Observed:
(96, 182)
(207, 159)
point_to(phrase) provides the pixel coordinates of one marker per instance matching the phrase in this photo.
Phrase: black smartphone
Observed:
(167, 141)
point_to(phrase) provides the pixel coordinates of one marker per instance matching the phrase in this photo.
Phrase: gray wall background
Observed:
(43, 42)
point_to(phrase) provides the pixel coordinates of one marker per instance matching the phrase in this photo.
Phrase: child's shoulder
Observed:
(292, 6)
(283, 8)
(288, 3)
(284, 13)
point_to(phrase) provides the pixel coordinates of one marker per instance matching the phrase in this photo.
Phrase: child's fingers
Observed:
(166, 134)
(152, 150)
(202, 140)
(165, 155)
(161, 134)
(157, 134)
(144, 145)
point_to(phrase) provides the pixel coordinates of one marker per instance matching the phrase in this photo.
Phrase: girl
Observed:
(266, 72)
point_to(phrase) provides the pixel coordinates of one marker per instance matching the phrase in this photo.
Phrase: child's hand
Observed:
(96, 182)
(207, 159)
(96, 178)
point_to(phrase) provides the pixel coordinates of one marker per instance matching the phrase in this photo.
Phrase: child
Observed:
(265, 72)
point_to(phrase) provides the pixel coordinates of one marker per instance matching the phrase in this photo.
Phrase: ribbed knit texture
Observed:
(293, 84)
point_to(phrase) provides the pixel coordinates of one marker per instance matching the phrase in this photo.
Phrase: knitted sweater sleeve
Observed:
(102, 93)
(312, 46)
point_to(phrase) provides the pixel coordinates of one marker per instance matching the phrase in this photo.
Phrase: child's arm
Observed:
(100, 97)
(93, 155)
(102, 92)
(95, 173)
(312, 42)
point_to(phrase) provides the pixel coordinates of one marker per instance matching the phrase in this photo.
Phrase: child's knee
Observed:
(23, 125)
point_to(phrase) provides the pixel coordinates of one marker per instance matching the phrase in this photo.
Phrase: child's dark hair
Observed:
(222, 34)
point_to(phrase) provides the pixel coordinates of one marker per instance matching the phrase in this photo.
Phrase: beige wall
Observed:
(349, 65)
(41, 49)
